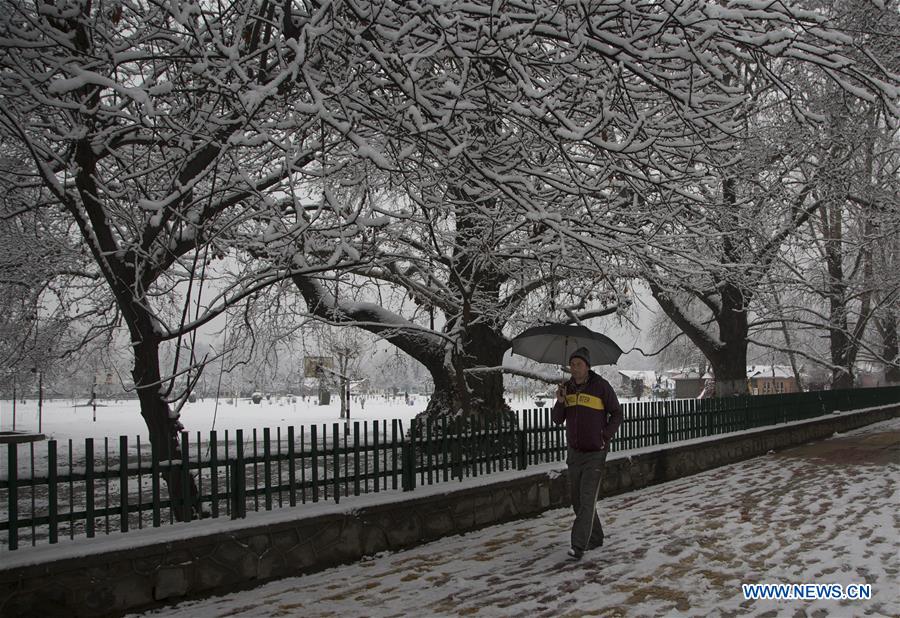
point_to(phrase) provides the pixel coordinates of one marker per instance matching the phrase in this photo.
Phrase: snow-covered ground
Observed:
(826, 513)
(63, 419)
(71, 422)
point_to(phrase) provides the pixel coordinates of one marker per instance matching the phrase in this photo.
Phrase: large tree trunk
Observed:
(838, 337)
(477, 395)
(456, 392)
(727, 353)
(891, 349)
(164, 430)
(729, 361)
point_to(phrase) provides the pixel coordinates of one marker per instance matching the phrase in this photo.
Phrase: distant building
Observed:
(771, 380)
(869, 374)
(635, 383)
(688, 384)
(761, 380)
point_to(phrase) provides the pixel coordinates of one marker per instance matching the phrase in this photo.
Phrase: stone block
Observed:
(300, 558)
(131, 590)
(179, 554)
(236, 557)
(53, 599)
(147, 565)
(438, 523)
(324, 533)
(544, 496)
(505, 505)
(99, 597)
(625, 480)
(272, 564)
(25, 605)
(464, 513)
(258, 543)
(407, 532)
(532, 495)
(210, 575)
(348, 545)
(373, 539)
(483, 508)
(170, 582)
(202, 551)
(283, 540)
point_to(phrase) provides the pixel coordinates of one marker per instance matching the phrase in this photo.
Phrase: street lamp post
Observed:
(347, 395)
(40, 373)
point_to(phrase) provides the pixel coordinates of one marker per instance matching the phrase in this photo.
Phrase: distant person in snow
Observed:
(588, 405)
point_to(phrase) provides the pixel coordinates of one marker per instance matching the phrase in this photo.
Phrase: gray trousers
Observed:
(585, 476)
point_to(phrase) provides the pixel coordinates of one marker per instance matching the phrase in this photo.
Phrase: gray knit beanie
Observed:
(582, 353)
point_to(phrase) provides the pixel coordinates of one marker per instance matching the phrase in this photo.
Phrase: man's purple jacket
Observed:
(592, 414)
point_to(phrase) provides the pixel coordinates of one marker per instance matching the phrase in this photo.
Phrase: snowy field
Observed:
(825, 513)
(71, 422)
(62, 419)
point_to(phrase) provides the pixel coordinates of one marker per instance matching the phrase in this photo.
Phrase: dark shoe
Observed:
(596, 545)
(575, 554)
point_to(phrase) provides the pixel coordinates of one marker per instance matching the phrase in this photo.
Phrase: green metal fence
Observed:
(52, 490)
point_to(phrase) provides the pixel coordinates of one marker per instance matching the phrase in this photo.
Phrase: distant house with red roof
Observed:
(771, 380)
(761, 380)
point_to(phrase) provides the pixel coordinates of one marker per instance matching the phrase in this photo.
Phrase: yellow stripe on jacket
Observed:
(583, 399)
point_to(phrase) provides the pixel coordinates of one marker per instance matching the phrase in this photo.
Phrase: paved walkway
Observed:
(820, 513)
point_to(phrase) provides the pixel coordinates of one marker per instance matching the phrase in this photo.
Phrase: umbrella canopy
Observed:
(554, 343)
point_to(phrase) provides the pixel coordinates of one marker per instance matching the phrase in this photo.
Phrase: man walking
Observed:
(588, 405)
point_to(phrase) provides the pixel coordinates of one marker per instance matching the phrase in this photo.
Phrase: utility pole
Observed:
(40, 400)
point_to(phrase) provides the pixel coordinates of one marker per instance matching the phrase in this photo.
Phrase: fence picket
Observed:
(52, 493)
(255, 470)
(214, 472)
(394, 454)
(89, 488)
(238, 478)
(140, 484)
(337, 462)
(292, 474)
(356, 458)
(186, 502)
(154, 483)
(314, 457)
(267, 468)
(13, 494)
(278, 464)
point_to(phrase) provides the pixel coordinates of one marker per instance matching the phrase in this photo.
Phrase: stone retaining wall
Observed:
(209, 562)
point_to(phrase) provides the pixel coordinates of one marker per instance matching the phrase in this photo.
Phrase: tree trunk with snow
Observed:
(891, 349)
(163, 428)
(726, 353)
(456, 392)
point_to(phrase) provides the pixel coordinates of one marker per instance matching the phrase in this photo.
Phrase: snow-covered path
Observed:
(823, 513)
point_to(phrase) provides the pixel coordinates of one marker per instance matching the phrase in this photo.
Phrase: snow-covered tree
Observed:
(184, 139)
(837, 273)
(40, 296)
(721, 230)
(166, 134)
(518, 132)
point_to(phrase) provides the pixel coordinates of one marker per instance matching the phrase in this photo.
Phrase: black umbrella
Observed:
(554, 343)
